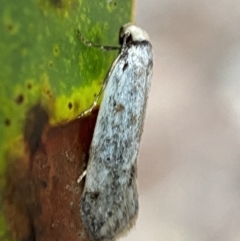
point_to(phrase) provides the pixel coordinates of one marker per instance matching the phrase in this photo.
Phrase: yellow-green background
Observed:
(43, 62)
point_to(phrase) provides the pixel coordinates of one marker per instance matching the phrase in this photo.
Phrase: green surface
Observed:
(43, 62)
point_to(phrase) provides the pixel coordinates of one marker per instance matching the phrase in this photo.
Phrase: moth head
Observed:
(131, 33)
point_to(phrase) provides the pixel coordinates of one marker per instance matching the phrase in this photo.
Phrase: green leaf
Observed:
(45, 67)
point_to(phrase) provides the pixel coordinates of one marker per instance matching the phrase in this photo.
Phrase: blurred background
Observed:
(189, 163)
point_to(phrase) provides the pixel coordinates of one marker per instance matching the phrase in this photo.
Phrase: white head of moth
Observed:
(109, 203)
(135, 32)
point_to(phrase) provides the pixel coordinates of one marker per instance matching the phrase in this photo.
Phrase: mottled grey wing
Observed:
(110, 201)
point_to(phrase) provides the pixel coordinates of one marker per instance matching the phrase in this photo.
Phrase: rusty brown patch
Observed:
(42, 196)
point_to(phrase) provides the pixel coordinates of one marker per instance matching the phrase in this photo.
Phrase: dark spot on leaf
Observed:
(70, 105)
(7, 122)
(10, 27)
(43, 184)
(29, 86)
(115, 4)
(50, 63)
(48, 92)
(56, 50)
(35, 121)
(19, 100)
(32, 235)
(57, 3)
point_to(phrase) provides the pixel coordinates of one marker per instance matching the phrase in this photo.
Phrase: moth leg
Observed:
(89, 110)
(90, 44)
(81, 176)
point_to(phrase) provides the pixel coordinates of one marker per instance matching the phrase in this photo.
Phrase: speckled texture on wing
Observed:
(109, 202)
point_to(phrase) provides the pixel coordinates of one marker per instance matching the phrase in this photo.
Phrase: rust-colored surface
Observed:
(42, 195)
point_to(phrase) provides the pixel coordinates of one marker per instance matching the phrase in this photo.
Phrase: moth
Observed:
(109, 203)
